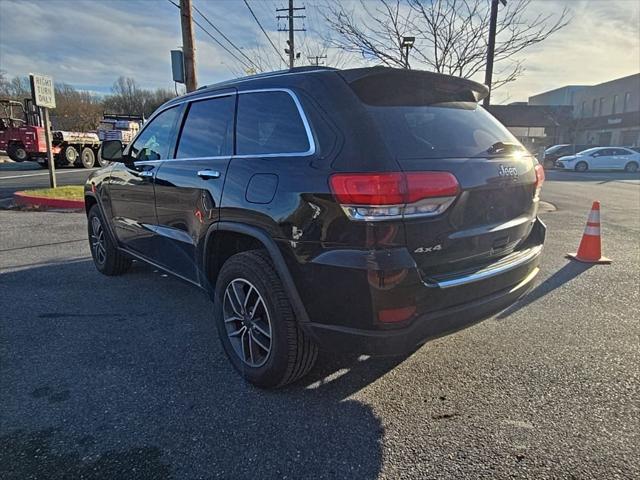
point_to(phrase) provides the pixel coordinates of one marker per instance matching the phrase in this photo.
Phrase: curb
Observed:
(22, 198)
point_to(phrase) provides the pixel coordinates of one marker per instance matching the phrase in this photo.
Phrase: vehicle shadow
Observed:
(567, 273)
(125, 378)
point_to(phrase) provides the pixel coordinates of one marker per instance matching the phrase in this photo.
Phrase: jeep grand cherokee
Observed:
(365, 210)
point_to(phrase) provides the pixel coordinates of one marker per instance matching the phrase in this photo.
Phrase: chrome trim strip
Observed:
(296, 101)
(488, 273)
(305, 122)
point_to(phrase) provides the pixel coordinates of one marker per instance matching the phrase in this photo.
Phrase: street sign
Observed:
(44, 97)
(43, 92)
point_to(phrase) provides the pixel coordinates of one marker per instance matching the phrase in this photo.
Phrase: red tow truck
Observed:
(22, 137)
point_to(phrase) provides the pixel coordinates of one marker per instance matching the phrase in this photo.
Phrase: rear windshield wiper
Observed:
(502, 148)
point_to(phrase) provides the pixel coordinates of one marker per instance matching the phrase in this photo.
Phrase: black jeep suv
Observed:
(365, 210)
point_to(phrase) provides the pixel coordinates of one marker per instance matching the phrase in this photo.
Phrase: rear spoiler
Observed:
(384, 86)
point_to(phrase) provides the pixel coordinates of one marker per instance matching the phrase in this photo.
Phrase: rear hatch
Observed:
(433, 123)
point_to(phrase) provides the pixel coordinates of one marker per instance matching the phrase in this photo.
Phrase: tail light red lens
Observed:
(539, 181)
(368, 188)
(383, 196)
(539, 175)
(430, 184)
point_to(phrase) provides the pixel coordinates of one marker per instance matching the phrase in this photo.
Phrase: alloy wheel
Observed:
(247, 322)
(98, 241)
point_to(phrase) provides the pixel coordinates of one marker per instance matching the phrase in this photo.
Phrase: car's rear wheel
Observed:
(256, 323)
(106, 256)
(581, 167)
(88, 157)
(631, 167)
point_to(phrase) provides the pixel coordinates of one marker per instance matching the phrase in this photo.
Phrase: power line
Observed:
(225, 37)
(249, 67)
(264, 31)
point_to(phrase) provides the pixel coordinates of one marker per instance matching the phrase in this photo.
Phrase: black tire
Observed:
(631, 167)
(292, 353)
(69, 154)
(17, 153)
(581, 167)
(101, 161)
(109, 260)
(88, 157)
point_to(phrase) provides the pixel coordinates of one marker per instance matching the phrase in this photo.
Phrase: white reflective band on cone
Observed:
(594, 216)
(592, 231)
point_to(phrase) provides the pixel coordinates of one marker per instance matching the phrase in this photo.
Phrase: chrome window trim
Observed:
(305, 122)
(296, 101)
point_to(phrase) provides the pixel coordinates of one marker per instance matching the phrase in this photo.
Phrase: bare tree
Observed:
(76, 110)
(17, 88)
(128, 98)
(451, 35)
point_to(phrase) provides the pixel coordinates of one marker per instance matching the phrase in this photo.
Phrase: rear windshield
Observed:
(441, 130)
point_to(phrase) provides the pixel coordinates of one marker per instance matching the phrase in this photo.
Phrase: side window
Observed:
(208, 129)
(619, 151)
(269, 122)
(155, 140)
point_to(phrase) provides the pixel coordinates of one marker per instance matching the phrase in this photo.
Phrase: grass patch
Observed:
(69, 192)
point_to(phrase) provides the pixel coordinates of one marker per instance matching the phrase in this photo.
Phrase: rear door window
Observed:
(208, 129)
(269, 123)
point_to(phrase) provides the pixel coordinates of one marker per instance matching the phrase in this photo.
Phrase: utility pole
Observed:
(290, 17)
(488, 73)
(315, 59)
(188, 49)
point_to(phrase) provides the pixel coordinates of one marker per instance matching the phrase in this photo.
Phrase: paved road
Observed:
(124, 377)
(13, 181)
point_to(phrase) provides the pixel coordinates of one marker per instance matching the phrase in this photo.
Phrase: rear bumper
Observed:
(424, 328)
(443, 304)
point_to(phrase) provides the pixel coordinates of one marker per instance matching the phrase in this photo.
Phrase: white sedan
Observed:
(601, 158)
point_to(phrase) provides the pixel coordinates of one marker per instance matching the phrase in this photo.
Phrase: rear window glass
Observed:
(454, 129)
(269, 123)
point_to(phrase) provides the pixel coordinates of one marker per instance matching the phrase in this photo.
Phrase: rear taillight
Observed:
(387, 196)
(539, 180)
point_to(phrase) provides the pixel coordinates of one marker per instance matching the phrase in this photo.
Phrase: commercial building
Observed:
(604, 114)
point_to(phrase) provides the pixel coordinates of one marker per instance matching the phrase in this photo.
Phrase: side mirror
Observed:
(112, 151)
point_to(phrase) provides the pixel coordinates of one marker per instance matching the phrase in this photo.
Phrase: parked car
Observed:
(601, 158)
(553, 153)
(364, 210)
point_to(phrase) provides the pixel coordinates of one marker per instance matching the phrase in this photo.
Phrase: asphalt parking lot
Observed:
(106, 378)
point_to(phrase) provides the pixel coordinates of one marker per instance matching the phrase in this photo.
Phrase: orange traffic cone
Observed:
(589, 250)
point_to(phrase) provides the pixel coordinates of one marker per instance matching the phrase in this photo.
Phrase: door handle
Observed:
(207, 174)
(146, 173)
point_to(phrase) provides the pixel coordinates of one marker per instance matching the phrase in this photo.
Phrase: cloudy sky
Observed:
(89, 43)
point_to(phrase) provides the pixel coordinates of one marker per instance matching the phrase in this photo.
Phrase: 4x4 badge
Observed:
(435, 248)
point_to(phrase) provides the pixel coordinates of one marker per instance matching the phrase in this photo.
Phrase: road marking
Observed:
(13, 177)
